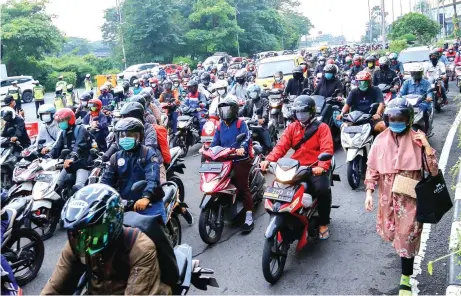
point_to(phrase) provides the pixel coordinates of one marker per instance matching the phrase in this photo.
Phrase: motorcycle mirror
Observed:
(93, 152)
(64, 153)
(139, 186)
(325, 156)
(42, 141)
(240, 138)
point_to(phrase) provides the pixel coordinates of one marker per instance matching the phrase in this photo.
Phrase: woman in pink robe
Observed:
(398, 151)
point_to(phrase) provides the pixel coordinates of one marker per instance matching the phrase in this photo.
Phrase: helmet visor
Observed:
(129, 134)
(89, 240)
(225, 112)
(397, 115)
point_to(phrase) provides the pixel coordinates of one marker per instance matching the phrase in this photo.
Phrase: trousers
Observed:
(80, 178)
(319, 187)
(242, 172)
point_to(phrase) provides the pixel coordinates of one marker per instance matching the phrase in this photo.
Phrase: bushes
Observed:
(52, 78)
(398, 45)
(192, 63)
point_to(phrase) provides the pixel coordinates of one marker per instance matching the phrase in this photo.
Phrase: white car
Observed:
(413, 55)
(24, 83)
(218, 59)
(137, 71)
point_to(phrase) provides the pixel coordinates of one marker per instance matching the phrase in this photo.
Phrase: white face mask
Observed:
(221, 91)
(253, 95)
(46, 118)
(84, 103)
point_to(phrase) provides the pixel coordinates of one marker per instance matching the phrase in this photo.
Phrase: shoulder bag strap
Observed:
(308, 133)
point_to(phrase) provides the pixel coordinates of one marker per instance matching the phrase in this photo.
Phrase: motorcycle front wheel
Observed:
(47, 229)
(273, 259)
(180, 141)
(208, 229)
(25, 252)
(174, 230)
(354, 172)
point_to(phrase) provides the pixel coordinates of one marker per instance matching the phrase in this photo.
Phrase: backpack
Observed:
(250, 142)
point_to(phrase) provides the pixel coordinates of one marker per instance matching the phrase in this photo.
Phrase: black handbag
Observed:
(432, 196)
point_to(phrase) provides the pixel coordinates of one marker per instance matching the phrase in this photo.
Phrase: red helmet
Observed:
(95, 103)
(199, 65)
(440, 50)
(363, 75)
(153, 80)
(65, 114)
(331, 61)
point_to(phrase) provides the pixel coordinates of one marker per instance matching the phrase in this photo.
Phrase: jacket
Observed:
(261, 112)
(318, 69)
(385, 77)
(49, 133)
(397, 67)
(354, 71)
(307, 154)
(433, 72)
(77, 139)
(240, 91)
(135, 271)
(295, 87)
(81, 111)
(103, 126)
(20, 131)
(162, 140)
(226, 135)
(194, 100)
(106, 99)
(169, 96)
(327, 87)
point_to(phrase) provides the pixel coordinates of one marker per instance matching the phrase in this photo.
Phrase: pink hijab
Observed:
(389, 158)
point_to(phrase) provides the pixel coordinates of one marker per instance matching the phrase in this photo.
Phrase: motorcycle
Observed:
(255, 128)
(451, 68)
(387, 90)
(418, 121)
(286, 110)
(187, 134)
(8, 158)
(22, 247)
(176, 166)
(209, 129)
(167, 110)
(356, 139)
(436, 89)
(336, 104)
(293, 213)
(458, 75)
(275, 106)
(221, 200)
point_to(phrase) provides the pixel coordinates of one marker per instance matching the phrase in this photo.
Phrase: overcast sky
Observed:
(83, 18)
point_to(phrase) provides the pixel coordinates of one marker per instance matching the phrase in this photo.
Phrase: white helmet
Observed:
(416, 67)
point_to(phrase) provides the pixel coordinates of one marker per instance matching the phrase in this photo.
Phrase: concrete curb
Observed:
(454, 262)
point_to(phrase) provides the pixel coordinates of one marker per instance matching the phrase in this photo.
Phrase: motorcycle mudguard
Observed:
(41, 204)
(26, 186)
(178, 168)
(274, 225)
(205, 200)
(352, 153)
(275, 111)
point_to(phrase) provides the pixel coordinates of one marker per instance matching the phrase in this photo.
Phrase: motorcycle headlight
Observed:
(208, 128)
(209, 186)
(285, 176)
(39, 190)
(360, 138)
(182, 124)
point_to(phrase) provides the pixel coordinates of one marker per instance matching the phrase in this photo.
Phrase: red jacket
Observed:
(307, 154)
(162, 140)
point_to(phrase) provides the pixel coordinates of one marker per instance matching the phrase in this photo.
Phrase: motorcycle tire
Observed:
(174, 143)
(438, 107)
(267, 259)
(204, 222)
(174, 230)
(45, 233)
(36, 256)
(353, 172)
(460, 89)
(180, 184)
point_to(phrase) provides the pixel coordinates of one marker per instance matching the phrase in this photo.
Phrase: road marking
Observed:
(427, 227)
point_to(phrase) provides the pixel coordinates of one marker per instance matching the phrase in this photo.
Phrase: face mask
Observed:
(322, 63)
(64, 125)
(253, 95)
(397, 127)
(154, 85)
(127, 143)
(46, 118)
(357, 63)
(241, 81)
(363, 85)
(84, 103)
(94, 108)
(370, 65)
(416, 75)
(385, 67)
(349, 62)
(221, 91)
(328, 76)
(303, 117)
(434, 61)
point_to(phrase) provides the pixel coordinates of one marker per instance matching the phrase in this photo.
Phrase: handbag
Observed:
(404, 185)
(432, 196)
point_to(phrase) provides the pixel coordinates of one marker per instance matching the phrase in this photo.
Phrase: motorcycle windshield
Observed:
(319, 103)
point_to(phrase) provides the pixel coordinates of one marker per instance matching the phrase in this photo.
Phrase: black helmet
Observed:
(129, 128)
(133, 109)
(147, 93)
(167, 84)
(139, 99)
(304, 103)
(399, 107)
(240, 74)
(229, 108)
(322, 59)
(126, 86)
(93, 218)
(86, 96)
(297, 73)
(330, 68)
(205, 78)
(8, 114)
(370, 59)
(192, 82)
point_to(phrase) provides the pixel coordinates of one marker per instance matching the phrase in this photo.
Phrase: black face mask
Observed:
(297, 76)
(434, 61)
(384, 67)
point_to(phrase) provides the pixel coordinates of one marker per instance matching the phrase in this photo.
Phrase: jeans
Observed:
(426, 108)
(265, 140)
(37, 105)
(174, 121)
(80, 178)
(242, 172)
(319, 187)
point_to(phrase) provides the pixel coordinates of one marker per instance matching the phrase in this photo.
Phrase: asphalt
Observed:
(355, 260)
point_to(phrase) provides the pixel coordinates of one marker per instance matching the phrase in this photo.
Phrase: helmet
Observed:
(145, 77)
(59, 78)
(330, 69)
(47, 108)
(136, 81)
(153, 80)
(304, 104)
(214, 68)
(104, 88)
(58, 90)
(70, 88)
(118, 91)
(167, 84)
(363, 76)
(205, 78)
(87, 76)
(8, 114)
(322, 60)
(240, 74)
(65, 114)
(278, 76)
(108, 76)
(331, 61)
(221, 87)
(297, 73)
(348, 59)
(35, 82)
(221, 75)
(139, 99)
(393, 56)
(133, 109)
(229, 108)
(370, 59)
(397, 109)
(253, 92)
(416, 71)
(86, 96)
(95, 103)
(93, 218)
(384, 62)
(192, 85)
(435, 53)
(129, 128)
(125, 86)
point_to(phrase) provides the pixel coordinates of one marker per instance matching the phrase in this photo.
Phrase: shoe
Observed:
(188, 217)
(249, 223)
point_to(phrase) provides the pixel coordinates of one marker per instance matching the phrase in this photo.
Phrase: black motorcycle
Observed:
(255, 130)
(187, 134)
(176, 167)
(9, 156)
(336, 105)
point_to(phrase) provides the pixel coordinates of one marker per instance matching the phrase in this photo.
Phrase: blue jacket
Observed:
(409, 87)
(106, 99)
(397, 67)
(77, 139)
(103, 126)
(137, 90)
(226, 136)
(126, 168)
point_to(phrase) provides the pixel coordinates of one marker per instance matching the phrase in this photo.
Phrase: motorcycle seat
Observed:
(181, 259)
(175, 151)
(169, 189)
(258, 149)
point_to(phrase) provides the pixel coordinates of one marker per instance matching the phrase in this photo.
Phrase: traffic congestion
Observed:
(138, 185)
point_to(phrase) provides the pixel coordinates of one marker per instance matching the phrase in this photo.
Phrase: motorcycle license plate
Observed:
(206, 139)
(353, 129)
(210, 167)
(47, 178)
(281, 194)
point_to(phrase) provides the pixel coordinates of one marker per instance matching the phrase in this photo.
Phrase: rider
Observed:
(196, 100)
(205, 86)
(320, 65)
(419, 86)
(17, 123)
(48, 129)
(98, 123)
(171, 96)
(88, 83)
(226, 136)
(258, 108)
(220, 92)
(135, 162)
(385, 75)
(158, 90)
(127, 92)
(137, 88)
(370, 63)
(120, 258)
(451, 53)
(106, 97)
(395, 64)
(327, 87)
(434, 69)
(306, 152)
(178, 87)
(38, 92)
(296, 84)
(76, 138)
(16, 92)
(83, 108)
(240, 88)
(348, 64)
(278, 80)
(357, 67)
(361, 99)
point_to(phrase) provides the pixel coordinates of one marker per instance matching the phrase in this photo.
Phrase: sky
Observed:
(83, 18)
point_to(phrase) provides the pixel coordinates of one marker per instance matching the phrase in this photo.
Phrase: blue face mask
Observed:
(329, 76)
(64, 125)
(127, 143)
(397, 127)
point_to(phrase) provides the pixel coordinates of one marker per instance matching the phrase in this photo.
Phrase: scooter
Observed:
(187, 134)
(275, 106)
(209, 129)
(356, 139)
(458, 75)
(286, 110)
(418, 121)
(255, 128)
(293, 213)
(8, 158)
(176, 167)
(387, 90)
(336, 104)
(436, 89)
(221, 200)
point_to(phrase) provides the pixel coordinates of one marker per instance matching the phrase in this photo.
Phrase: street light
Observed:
(237, 12)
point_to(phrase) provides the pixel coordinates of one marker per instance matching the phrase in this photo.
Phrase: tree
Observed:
(422, 6)
(455, 20)
(417, 24)
(294, 25)
(376, 25)
(27, 35)
(77, 46)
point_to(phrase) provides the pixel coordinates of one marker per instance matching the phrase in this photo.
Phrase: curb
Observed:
(454, 262)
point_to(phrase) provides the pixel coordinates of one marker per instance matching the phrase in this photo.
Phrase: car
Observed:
(409, 56)
(24, 83)
(269, 66)
(218, 59)
(137, 71)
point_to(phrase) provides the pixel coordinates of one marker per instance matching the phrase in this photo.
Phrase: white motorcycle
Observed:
(286, 110)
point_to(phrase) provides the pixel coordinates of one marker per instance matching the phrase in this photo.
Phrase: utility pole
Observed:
(393, 15)
(383, 24)
(119, 12)
(237, 12)
(401, 11)
(370, 25)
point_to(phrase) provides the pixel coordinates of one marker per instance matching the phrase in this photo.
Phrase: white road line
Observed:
(427, 227)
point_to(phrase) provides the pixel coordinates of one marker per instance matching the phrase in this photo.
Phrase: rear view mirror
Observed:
(42, 141)
(64, 153)
(139, 186)
(94, 152)
(325, 156)
(241, 137)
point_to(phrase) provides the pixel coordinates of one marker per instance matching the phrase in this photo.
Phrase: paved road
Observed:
(353, 261)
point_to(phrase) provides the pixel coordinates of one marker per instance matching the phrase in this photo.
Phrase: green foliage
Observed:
(185, 59)
(52, 78)
(111, 71)
(408, 37)
(398, 45)
(417, 24)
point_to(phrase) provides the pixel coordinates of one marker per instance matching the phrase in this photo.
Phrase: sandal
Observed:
(404, 290)
(324, 235)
